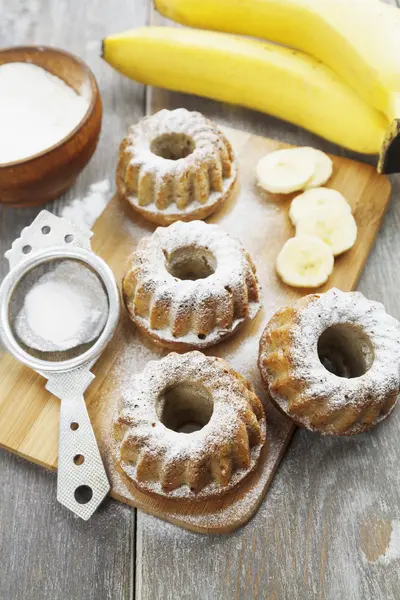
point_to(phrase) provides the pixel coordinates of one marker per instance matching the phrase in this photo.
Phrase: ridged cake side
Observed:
(297, 373)
(173, 161)
(194, 465)
(201, 311)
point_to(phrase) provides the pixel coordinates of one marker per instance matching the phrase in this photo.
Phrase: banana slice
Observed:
(323, 166)
(315, 198)
(285, 171)
(334, 227)
(305, 261)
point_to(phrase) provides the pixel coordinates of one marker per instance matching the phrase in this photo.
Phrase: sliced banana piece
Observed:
(285, 171)
(305, 261)
(315, 198)
(323, 166)
(334, 227)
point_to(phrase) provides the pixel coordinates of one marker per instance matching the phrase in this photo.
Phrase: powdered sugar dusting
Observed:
(231, 290)
(244, 359)
(84, 211)
(316, 315)
(132, 353)
(65, 307)
(139, 422)
(196, 181)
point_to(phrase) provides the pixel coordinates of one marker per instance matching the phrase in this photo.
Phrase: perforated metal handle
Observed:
(46, 231)
(82, 482)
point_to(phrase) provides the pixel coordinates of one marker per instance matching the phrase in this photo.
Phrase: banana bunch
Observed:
(338, 73)
(358, 39)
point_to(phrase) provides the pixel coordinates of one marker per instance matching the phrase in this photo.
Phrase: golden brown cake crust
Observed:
(159, 459)
(190, 285)
(202, 212)
(331, 362)
(175, 165)
(175, 344)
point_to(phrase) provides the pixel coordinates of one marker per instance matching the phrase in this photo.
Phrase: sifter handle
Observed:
(82, 481)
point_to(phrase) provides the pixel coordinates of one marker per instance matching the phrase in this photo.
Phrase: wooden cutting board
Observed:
(29, 414)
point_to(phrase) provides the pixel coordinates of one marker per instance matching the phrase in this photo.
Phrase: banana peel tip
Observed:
(389, 158)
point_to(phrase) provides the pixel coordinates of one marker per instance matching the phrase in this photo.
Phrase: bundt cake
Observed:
(332, 362)
(190, 285)
(175, 165)
(189, 427)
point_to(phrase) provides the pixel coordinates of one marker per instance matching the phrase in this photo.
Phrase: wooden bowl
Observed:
(48, 174)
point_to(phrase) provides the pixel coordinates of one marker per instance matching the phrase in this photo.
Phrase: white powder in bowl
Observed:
(37, 110)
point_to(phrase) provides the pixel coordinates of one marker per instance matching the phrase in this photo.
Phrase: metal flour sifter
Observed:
(53, 254)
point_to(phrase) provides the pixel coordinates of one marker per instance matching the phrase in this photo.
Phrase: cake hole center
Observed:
(191, 263)
(345, 351)
(172, 146)
(185, 407)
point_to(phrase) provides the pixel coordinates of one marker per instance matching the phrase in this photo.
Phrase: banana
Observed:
(305, 261)
(359, 40)
(334, 227)
(330, 200)
(323, 166)
(284, 171)
(276, 80)
(292, 169)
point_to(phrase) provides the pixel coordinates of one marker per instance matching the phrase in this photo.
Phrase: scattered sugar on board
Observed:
(37, 110)
(84, 211)
(244, 358)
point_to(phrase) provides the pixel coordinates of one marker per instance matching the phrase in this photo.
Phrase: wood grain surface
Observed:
(29, 421)
(328, 526)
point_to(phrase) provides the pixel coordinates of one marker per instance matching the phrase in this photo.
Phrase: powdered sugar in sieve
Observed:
(64, 308)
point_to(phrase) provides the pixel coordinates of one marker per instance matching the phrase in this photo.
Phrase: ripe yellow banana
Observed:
(358, 39)
(276, 80)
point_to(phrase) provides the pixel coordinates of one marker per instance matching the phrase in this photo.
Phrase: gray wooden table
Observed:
(329, 527)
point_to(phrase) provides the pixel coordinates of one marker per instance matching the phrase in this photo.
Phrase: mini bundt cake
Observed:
(190, 285)
(175, 165)
(189, 427)
(332, 362)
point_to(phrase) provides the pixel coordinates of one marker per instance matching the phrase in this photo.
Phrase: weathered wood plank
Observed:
(333, 508)
(329, 527)
(45, 552)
